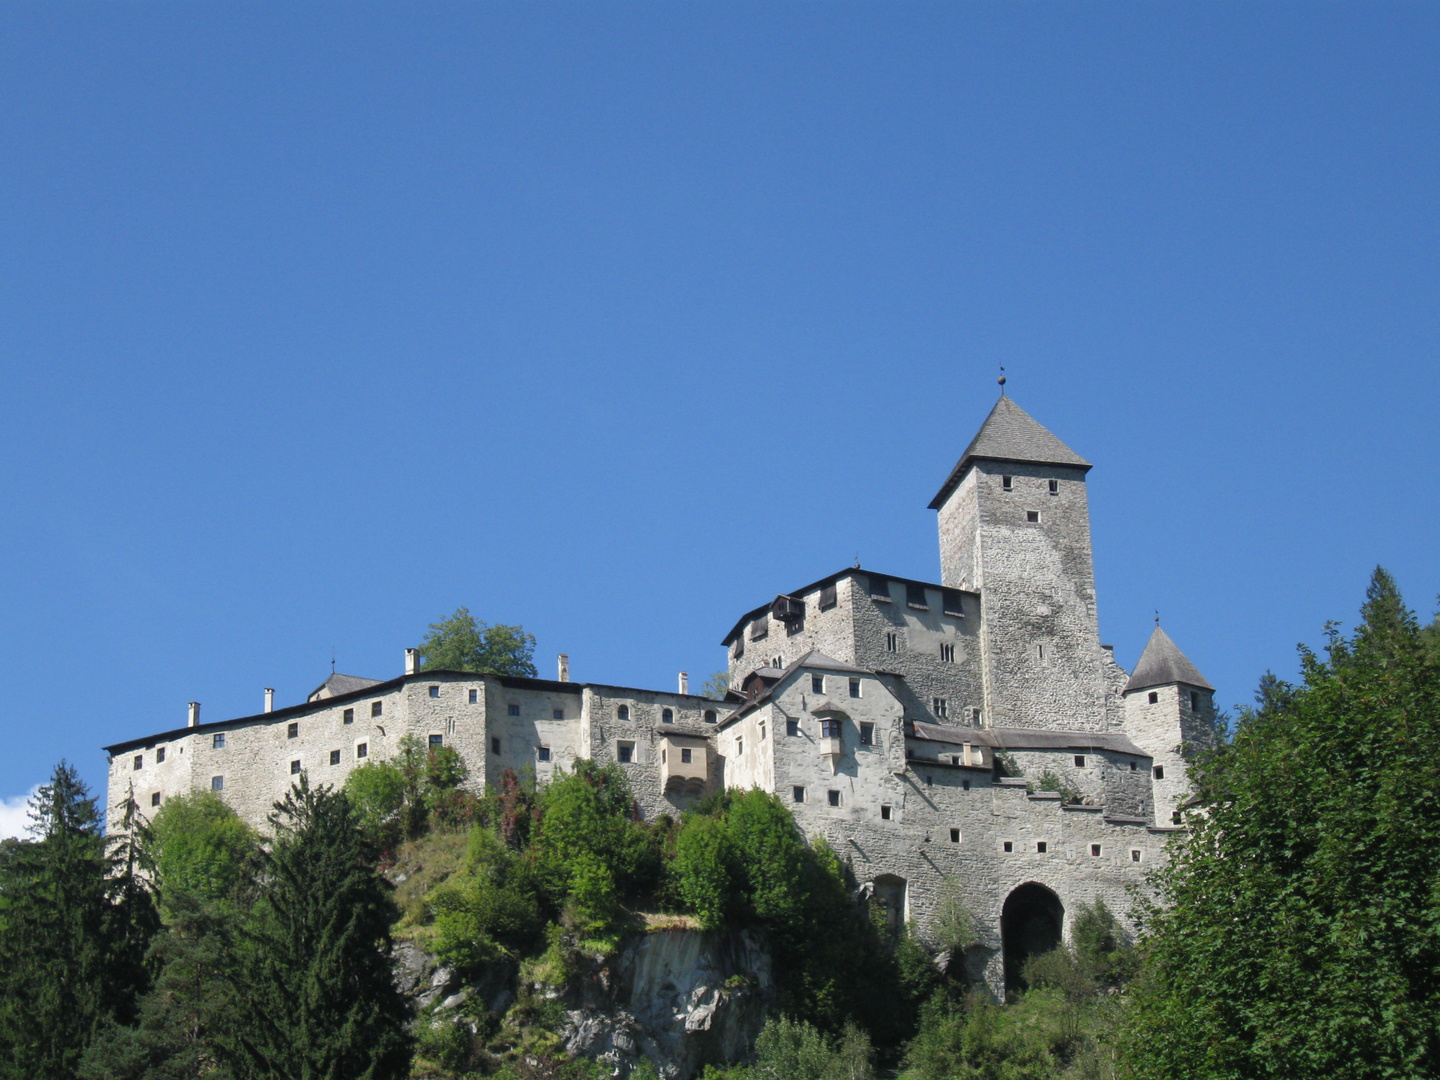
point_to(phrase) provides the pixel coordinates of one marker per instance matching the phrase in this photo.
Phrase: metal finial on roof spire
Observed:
(332, 661)
(1001, 380)
(1157, 616)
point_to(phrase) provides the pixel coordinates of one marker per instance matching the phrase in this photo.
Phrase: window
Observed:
(760, 629)
(1032, 516)
(218, 742)
(1134, 854)
(817, 684)
(709, 716)
(867, 734)
(880, 588)
(947, 653)
(377, 708)
(159, 755)
(667, 716)
(1132, 766)
(295, 767)
(437, 741)
(740, 645)
(965, 784)
(830, 729)
(915, 596)
(155, 798)
(474, 696)
(739, 747)
(1041, 847)
(349, 716)
(1040, 652)
(884, 812)
(975, 715)
(217, 783)
(1159, 772)
(1153, 697)
(954, 836)
(929, 780)
(686, 755)
(777, 661)
(1007, 483)
(854, 687)
(495, 745)
(1094, 848)
(625, 751)
(833, 796)
(293, 731)
(1009, 845)
(827, 597)
(512, 710)
(762, 730)
(1194, 701)
(1079, 761)
(940, 706)
(792, 728)
(334, 757)
(1175, 818)
(362, 750)
(139, 761)
(542, 753)
(892, 642)
(434, 691)
(558, 714)
(623, 712)
(797, 794)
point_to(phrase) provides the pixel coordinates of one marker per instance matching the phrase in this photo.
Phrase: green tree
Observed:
(74, 923)
(716, 686)
(464, 643)
(318, 993)
(490, 911)
(1297, 933)
(201, 847)
(794, 1050)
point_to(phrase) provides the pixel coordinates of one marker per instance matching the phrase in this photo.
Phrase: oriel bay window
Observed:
(830, 729)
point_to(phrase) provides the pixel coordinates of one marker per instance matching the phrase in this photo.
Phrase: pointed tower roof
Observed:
(1009, 433)
(1163, 663)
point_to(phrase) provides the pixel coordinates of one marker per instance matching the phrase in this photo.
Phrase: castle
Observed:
(973, 729)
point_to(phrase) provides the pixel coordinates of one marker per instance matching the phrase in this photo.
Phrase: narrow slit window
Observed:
(892, 642)
(947, 653)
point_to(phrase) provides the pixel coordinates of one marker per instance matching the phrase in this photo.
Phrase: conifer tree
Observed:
(319, 1000)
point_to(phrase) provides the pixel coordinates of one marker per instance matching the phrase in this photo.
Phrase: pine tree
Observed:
(318, 990)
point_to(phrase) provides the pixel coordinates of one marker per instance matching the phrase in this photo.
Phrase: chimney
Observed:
(564, 667)
(269, 699)
(194, 714)
(412, 660)
(684, 682)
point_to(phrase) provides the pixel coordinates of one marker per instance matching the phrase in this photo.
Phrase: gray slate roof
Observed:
(1163, 663)
(1029, 738)
(336, 685)
(1009, 433)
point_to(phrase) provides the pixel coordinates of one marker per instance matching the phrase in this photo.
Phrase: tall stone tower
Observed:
(1015, 527)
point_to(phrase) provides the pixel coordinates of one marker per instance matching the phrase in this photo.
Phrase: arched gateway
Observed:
(1031, 923)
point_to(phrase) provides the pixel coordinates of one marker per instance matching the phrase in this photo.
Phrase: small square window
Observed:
(1032, 516)
(892, 642)
(155, 798)
(1159, 772)
(867, 734)
(1009, 845)
(217, 783)
(817, 684)
(667, 716)
(884, 812)
(295, 767)
(437, 741)
(349, 717)
(792, 728)
(947, 653)
(975, 715)
(854, 687)
(434, 691)
(1134, 854)
(1079, 761)
(709, 716)
(1095, 850)
(495, 744)
(542, 753)
(625, 751)
(512, 710)
(1153, 697)
(159, 755)
(558, 714)
(1041, 847)
(139, 761)
(834, 797)
(623, 712)
(1007, 483)
(362, 750)
(1054, 487)
(474, 696)
(686, 755)
(218, 742)
(377, 708)
(293, 731)
(797, 794)
(954, 836)
(334, 757)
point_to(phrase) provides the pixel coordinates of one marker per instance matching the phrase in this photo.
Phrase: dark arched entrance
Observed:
(1030, 924)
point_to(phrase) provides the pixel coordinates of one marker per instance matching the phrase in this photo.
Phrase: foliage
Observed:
(464, 643)
(74, 923)
(794, 1050)
(395, 800)
(318, 998)
(703, 870)
(716, 686)
(489, 911)
(954, 927)
(376, 791)
(201, 847)
(1297, 937)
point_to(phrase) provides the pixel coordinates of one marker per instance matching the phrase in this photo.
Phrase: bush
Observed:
(794, 1050)
(201, 847)
(490, 911)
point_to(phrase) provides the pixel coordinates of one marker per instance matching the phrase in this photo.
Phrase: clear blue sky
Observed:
(318, 321)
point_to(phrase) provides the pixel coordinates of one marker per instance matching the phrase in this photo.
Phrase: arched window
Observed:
(667, 716)
(709, 716)
(623, 712)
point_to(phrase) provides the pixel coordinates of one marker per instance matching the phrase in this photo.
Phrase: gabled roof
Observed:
(1009, 433)
(1163, 663)
(774, 677)
(336, 685)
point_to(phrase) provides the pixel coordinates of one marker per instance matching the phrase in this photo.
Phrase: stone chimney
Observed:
(194, 714)
(412, 661)
(684, 682)
(269, 699)
(564, 667)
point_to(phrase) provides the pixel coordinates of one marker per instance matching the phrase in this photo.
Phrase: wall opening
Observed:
(1030, 924)
(889, 896)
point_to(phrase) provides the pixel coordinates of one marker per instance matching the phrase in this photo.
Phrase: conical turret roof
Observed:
(1009, 433)
(1163, 663)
